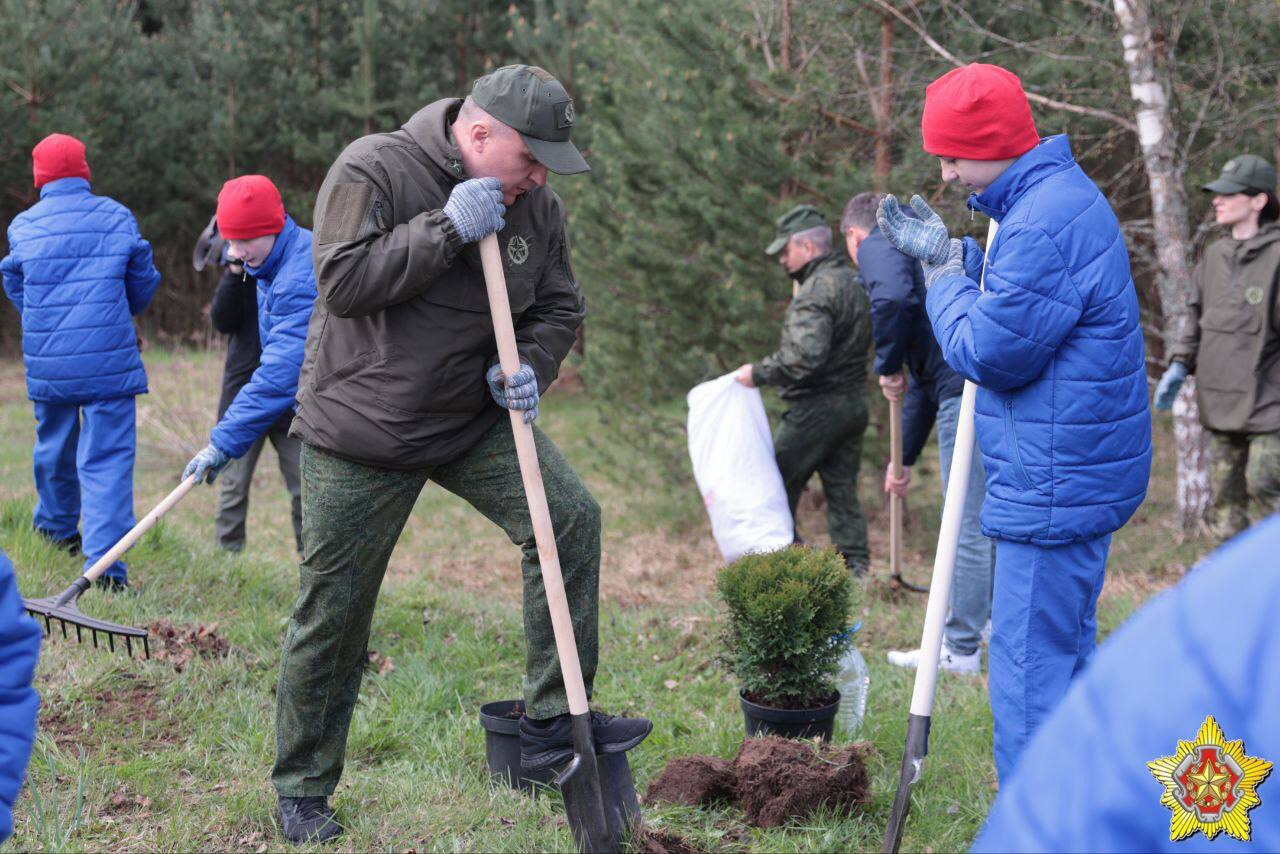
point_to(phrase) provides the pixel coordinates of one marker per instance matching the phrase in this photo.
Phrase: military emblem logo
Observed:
(1253, 295)
(1210, 785)
(517, 249)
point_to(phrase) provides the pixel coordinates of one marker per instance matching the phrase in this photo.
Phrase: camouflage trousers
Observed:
(824, 435)
(1245, 466)
(352, 516)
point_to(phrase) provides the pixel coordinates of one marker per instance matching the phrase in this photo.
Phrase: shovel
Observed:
(895, 501)
(63, 607)
(597, 826)
(935, 615)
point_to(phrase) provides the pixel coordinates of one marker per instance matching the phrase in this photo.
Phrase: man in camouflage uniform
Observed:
(400, 385)
(820, 369)
(1231, 341)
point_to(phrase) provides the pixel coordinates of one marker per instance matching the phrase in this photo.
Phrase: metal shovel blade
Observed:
(63, 608)
(917, 748)
(584, 802)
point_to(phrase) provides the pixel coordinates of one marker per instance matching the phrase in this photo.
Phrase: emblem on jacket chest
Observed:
(517, 249)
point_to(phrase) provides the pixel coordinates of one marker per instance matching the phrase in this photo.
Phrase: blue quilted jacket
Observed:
(78, 270)
(1056, 349)
(1206, 647)
(286, 293)
(19, 646)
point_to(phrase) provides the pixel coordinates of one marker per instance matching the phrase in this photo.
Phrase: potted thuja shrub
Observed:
(785, 630)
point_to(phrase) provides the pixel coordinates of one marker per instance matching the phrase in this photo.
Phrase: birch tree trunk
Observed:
(1173, 242)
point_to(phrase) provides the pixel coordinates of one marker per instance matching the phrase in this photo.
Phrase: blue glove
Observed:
(475, 208)
(206, 465)
(519, 391)
(924, 238)
(1170, 385)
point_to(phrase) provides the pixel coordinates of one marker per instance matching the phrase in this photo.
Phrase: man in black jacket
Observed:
(904, 341)
(234, 313)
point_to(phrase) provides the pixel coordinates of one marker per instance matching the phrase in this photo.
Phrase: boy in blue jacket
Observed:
(276, 252)
(19, 648)
(1055, 347)
(78, 271)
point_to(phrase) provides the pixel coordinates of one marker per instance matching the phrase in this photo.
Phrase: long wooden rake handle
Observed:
(895, 500)
(148, 522)
(495, 281)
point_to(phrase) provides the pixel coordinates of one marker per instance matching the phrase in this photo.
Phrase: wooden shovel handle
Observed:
(495, 282)
(895, 500)
(148, 522)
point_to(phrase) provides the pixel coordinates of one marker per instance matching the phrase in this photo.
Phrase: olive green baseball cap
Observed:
(1242, 174)
(798, 219)
(533, 103)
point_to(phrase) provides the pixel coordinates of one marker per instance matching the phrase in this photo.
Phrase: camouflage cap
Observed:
(531, 101)
(798, 219)
(1244, 173)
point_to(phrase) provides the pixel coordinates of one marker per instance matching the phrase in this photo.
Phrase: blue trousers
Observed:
(1044, 624)
(83, 464)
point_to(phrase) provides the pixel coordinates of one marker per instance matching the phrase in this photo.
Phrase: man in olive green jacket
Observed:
(820, 369)
(1231, 342)
(400, 385)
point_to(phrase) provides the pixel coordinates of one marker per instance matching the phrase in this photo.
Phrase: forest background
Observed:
(703, 121)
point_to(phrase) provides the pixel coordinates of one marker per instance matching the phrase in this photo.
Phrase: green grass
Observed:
(137, 756)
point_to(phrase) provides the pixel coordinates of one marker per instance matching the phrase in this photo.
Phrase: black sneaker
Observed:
(307, 820)
(71, 545)
(544, 744)
(112, 585)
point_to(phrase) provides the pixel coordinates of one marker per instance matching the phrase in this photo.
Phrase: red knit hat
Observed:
(58, 156)
(249, 207)
(978, 112)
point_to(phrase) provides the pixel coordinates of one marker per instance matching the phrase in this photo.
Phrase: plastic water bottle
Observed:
(854, 681)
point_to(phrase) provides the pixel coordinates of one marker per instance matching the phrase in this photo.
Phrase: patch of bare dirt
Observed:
(129, 701)
(646, 841)
(772, 779)
(179, 644)
(694, 781)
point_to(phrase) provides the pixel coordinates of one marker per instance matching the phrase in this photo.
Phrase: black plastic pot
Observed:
(789, 723)
(502, 748)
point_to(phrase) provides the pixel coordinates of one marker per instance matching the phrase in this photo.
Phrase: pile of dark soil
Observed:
(178, 645)
(771, 779)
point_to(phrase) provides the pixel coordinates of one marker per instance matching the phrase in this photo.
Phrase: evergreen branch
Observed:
(837, 118)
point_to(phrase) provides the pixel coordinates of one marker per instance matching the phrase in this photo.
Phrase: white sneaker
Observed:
(955, 662)
(986, 634)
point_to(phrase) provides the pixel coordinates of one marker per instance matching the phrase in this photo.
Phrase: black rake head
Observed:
(63, 609)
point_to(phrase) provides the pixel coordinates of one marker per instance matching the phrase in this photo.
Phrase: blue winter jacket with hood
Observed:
(19, 647)
(1056, 348)
(78, 271)
(286, 294)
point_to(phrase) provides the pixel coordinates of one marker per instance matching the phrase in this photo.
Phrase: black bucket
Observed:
(789, 723)
(502, 748)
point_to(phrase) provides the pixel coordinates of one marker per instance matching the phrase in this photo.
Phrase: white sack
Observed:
(732, 454)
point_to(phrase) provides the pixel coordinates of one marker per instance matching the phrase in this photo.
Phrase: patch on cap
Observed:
(564, 114)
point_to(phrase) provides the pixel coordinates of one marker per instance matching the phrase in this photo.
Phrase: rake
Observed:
(63, 607)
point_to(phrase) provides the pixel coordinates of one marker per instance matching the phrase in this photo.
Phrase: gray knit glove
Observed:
(924, 238)
(475, 208)
(519, 391)
(951, 265)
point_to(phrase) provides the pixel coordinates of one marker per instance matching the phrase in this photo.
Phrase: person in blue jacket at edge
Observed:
(1206, 647)
(19, 647)
(1056, 350)
(78, 271)
(277, 252)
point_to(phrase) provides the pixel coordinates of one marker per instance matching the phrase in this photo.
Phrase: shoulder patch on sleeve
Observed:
(344, 211)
